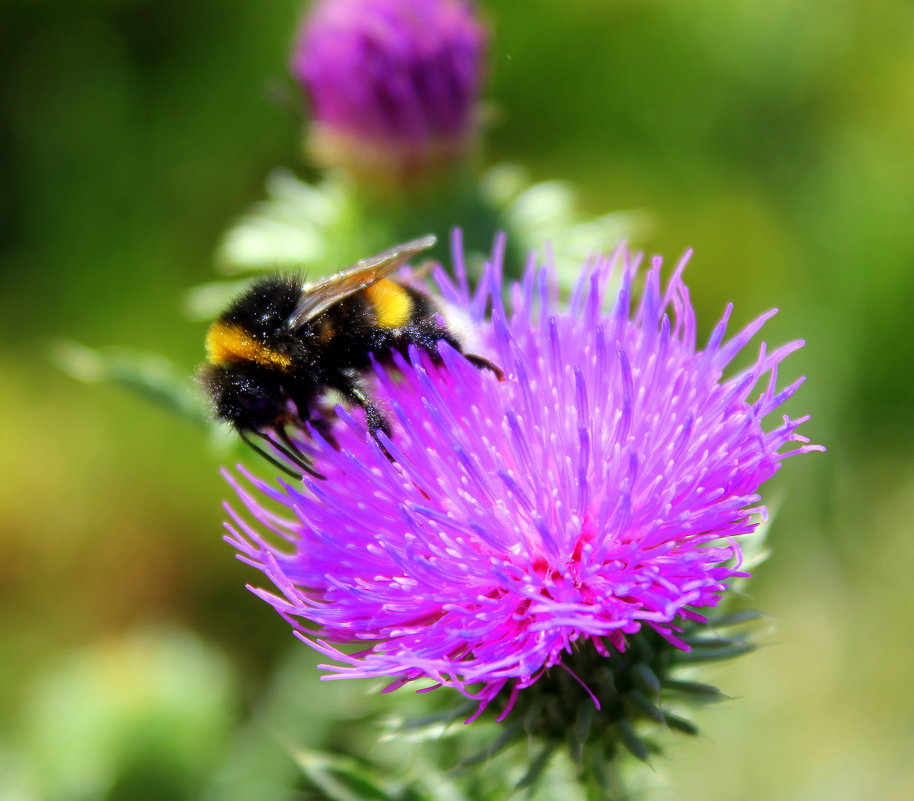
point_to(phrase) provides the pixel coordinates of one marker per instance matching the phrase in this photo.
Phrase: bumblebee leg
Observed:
(376, 421)
(373, 416)
(429, 339)
(485, 364)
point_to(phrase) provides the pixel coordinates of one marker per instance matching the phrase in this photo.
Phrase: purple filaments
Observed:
(600, 489)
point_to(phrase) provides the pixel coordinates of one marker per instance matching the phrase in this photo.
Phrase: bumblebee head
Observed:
(250, 400)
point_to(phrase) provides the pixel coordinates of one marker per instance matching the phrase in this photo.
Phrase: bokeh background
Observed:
(774, 137)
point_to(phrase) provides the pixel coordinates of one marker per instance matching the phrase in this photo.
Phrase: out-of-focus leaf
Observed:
(293, 228)
(546, 215)
(149, 375)
(341, 778)
(507, 738)
(322, 228)
(207, 301)
(537, 766)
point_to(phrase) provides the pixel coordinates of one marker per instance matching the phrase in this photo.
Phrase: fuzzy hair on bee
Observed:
(282, 344)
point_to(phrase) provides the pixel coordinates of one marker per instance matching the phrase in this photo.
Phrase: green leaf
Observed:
(547, 214)
(322, 228)
(148, 375)
(292, 228)
(605, 784)
(508, 736)
(339, 778)
(537, 766)
(447, 716)
(207, 301)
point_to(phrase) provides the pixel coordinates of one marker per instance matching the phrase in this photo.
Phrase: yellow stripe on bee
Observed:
(227, 343)
(391, 302)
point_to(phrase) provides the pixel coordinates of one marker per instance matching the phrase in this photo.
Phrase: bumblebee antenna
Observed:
(271, 459)
(292, 453)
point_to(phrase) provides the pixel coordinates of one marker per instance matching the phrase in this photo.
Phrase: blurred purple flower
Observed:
(393, 84)
(598, 491)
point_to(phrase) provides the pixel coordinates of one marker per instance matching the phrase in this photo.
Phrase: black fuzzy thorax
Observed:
(265, 308)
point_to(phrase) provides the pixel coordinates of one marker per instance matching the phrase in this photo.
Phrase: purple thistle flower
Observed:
(598, 492)
(393, 84)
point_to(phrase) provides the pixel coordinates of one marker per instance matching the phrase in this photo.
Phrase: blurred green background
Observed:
(775, 137)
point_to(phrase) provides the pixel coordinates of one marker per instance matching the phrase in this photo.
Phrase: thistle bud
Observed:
(393, 86)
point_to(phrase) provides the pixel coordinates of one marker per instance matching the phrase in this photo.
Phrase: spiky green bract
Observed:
(628, 704)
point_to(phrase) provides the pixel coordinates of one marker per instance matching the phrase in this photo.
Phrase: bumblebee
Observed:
(282, 345)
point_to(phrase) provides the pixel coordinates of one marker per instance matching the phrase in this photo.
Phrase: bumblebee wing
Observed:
(320, 296)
